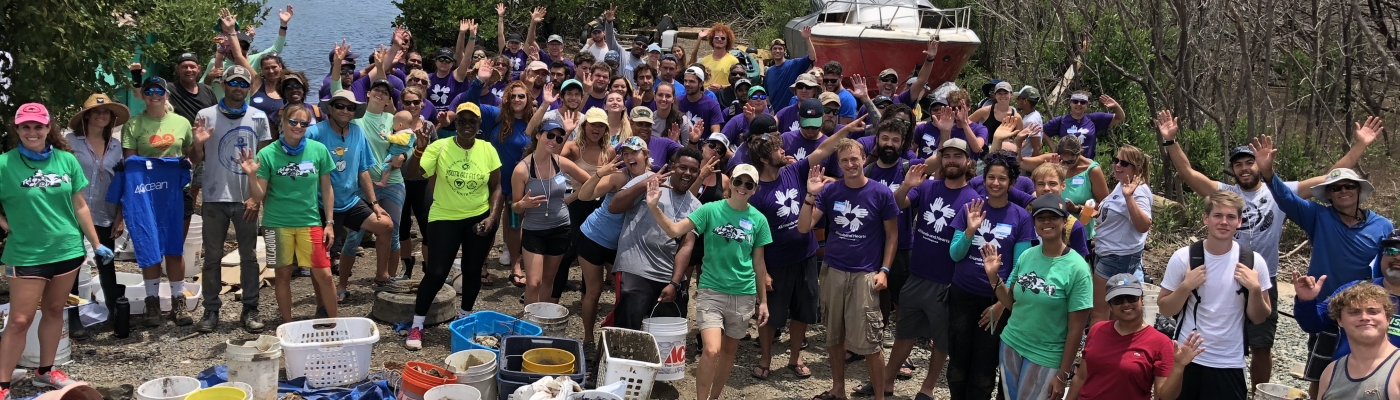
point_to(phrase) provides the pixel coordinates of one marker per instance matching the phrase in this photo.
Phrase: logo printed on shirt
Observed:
(732, 233)
(162, 141)
(1035, 284)
(232, 144)
(44, 181)
(855, 212)
(339, 153)
(294, 171)
(930, 143)
(694, 119)
(1257, 218)
(938, 215)
(440, 94)
(795, 126)
(787, 202)
(150, 187)
(801, 153)
(985, 230)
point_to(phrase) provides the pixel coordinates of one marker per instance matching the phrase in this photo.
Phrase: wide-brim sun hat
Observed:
(1319, 192)
(120, 114)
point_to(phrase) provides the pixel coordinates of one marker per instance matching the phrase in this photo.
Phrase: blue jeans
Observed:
(1109, 265)
(391, 200)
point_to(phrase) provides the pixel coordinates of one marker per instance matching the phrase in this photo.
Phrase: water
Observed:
(317, 25)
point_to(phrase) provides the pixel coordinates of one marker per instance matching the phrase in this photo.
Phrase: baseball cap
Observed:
(237, 72)
(882, 99)
(635, 143)
(1051, 203)
(611, 56)
(745, 170)
(445, 53)
(718, 137)
(571, 82)
(757, 89)
(187, 57)
(550, 125)
(763, 124)
(382, 82)
(245, 40)
(809, 113)
(596, 115)
(653, 48)
(32, 112)
(1029, 93)
(554, 38)
(537, 65)
(1123, 285)
(513, 38)
(1393, 237)
(805, 79)
(695, 70)
(777, 42)
(955, 143)
(743, 81)
(641, 114)
(643, 39)
(1003, 85)
(889, 72)
(1240, 152)
(595, 26)
(469, 107)
(154, 81)
(829, 97)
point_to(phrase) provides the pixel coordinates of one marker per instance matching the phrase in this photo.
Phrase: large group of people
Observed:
(789, 196)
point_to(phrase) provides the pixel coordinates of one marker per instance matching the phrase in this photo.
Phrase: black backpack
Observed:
(1197, 260)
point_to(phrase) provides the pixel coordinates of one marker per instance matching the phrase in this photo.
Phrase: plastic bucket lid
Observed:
(546, 312)
(1272, 391)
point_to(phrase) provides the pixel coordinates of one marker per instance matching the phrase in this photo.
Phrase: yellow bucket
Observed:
(546, 361)
(218, 393)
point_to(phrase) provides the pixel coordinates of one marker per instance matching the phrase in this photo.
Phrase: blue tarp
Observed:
(373, 388)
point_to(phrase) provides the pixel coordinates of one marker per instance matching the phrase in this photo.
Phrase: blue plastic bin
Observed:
(465, 330)
(513, 350)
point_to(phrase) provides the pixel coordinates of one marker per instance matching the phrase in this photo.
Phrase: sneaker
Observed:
(208, 322)
(152, 316)
(5, 394)
(392, 286)
(178, 312)
(252, 320)
(54, 379)
(505, 258)
(415, 339)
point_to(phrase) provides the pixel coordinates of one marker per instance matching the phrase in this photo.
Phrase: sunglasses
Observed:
(1079, 102)
(517, 96)
(736, 74)
(1069, 159)
(714, 145)
(413, 103)
(444, 59)
(343, 106)
(478, 56)
(889, 80)
(241, 84)
(758, 96)
(293, 86)
(1334, 188)
(831, 81)
(1391, 251)
(556, 137)
(1122, 163)
(831, 111)
(805, 87)
(347, 69)
(721, 38)
(745, 183)
(1127, 298)
(155, 91)
(298, 122)
(417, 80)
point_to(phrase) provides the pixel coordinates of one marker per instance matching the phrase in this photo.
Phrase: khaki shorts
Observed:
(851, 310)
(724, 311)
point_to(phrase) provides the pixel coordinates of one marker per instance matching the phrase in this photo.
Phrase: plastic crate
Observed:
(513, 349)
(464, 330)
(635, 367)
(328, 355)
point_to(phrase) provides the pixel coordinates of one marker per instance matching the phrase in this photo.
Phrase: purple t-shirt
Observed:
(892, 177)
(493, 95)
(741, 156)
(518, 60)
(1087, 129)
(1023, 184)
(787, 119)
(325, 91)
(361, 89)
(781, 202)
(441, 91)
(660, 146)
(735, 129)
(544, 56)
(855, 236)
(1003, 228)
(706, 110)
(590, 102)
(926, 136)
(934, 206)
(798, 146)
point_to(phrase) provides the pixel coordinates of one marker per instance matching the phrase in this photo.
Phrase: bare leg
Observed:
(546, 286)
(51, 327)
(899, 353)
(729, 349)
(24, 301)
(534, 276)
(838, 368)
(706, 373)
(875, 364)
(1100, 312)
(765, 346)
(385, 258)
(593, 284)
(283, 288)
(347, 266)
(797, 333)
(512, 238)
(321, 279)
(935, 368)
(1261, 366)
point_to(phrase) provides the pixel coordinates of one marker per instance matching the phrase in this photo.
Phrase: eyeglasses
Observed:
(831, 81)
(298, 122)
(721, 38)
(1079, 102)
(343, 106)
(1391, 251)
(238, 83)
(889, 80)
(155, 91)
(736, 74)
(1122, 163)
(1127, 298)
(556, 137)
(747, 184)
(805, 87)
(758, 96)
(417, 80)
(1337, 187)
(413, 103)
(831, 111)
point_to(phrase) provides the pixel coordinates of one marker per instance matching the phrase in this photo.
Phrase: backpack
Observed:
(1198, 259)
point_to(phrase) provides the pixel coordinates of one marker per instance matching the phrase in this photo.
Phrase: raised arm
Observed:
(808, 217)
(828, 146)
(610, 29)
(627, 198)
(916, 91)
(1302, 212)
(500, 28)
(811, 47)
(1169, 387)
(1365, 135)
(467, 28)
(1199, 183)
(672, 229)
(536, 17)
(1119, 116)
(912, 179)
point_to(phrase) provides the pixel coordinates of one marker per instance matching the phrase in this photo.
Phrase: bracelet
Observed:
(1168, 142)
(810, 203)
(282, 28)
(997, 284)
(886, 270)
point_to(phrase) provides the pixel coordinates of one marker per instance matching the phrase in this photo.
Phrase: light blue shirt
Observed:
(351, 155)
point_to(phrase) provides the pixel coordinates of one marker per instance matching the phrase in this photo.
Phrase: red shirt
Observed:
(1123, 367)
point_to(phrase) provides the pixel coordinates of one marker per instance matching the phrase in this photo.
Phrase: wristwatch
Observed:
(1166, 143)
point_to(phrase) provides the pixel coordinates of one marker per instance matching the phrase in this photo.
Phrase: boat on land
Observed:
(868, 36)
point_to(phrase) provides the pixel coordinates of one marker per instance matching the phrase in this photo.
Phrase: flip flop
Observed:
(517, 279)
(827, 396)
(341, 295)
(906, 371)
(867, 389)
(486, 279)
(853, 357)
(801, 371)
(763, 376)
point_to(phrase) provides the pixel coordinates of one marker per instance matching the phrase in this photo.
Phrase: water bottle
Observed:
(121, 315)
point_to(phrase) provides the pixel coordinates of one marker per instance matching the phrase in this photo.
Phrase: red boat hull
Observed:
(867, 57)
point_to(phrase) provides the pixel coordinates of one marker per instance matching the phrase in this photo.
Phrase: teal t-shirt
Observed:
(377, 128)
(38, 202)
(293, 184)
(1046, 291)
(730, 236)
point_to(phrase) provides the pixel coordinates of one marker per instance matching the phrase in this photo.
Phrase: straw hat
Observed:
(120, 114)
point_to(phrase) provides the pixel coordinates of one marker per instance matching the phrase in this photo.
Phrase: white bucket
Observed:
(552, 318)
(255, 363)
(594, 395)
(30, 357)
(1273, 391)
(136, 293)
(482, 377)
(452, 392)
(167, 388)
(670, 342)
(194, 247)
(241, 386)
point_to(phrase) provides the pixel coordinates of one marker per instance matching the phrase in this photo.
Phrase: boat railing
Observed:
(888, 12)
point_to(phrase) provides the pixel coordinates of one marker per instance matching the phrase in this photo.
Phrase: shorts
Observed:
(189, 204)
(1109, 265)
(924, 312)
(353, 218)
(1199, 382)
(1022, 379)
(1261, 336)
(1320, 349)
(899, 274)
(593, 252)
(390, 199)
(547, 242)
(724, 311)
(45, 271)
(794, 294)
(851, 310)
(513, 219)
(303, 247)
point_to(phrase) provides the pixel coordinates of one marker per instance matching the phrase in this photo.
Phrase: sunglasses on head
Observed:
(239, 83)
(1337, 187)
(758, 96)
(1122, 163)
(1391, 251)
(1079, 102)
(745, 183)
(418, 80)
(1127, 298)
(343, 106)
(556, 137)
(298, 122)
(155, 91)
(413, 103)
(889, 79)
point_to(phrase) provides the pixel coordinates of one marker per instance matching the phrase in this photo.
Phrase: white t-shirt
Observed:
(1115, 234)
(1220, 317)
(599, 51)
(223, 179)
(1033, 118)
(1261, 226)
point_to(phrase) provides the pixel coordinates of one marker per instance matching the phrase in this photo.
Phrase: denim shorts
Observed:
(1109, 265)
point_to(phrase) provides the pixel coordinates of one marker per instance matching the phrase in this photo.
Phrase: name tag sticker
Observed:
(928, 138)
(559, 179)
(148, 164)
(745, 224)
(306, 166)
(1002, 230)
(839, 207)
(1078, 180)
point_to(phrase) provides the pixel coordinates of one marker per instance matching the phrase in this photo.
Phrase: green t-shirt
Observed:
(158, 137)
(1046, 291)
(38, 201)
(377, 128)
(730, 236)
(293, 184)
(462, 189)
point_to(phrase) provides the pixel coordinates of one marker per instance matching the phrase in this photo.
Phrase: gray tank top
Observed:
(553, 213)
(1372, 386)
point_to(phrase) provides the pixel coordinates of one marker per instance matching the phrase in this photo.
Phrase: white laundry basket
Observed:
(329, 352)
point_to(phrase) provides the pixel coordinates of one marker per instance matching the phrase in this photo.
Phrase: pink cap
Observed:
(32, 112)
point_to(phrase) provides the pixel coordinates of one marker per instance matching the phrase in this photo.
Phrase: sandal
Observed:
(486, 279)
(827, 396)
(340, 296)
(800, 370)
(906, 371)
(760, 372)
(517, 279)
(867, 389)
(853, 357)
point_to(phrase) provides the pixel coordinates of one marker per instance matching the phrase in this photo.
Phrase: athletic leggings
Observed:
(415, 208)
(578, 212)
(446, 237)
(108, 272)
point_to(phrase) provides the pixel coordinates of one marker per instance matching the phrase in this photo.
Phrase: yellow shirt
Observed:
(719, 69)
(462, 189)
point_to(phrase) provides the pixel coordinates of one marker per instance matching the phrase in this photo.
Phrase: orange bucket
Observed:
(419, 376)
